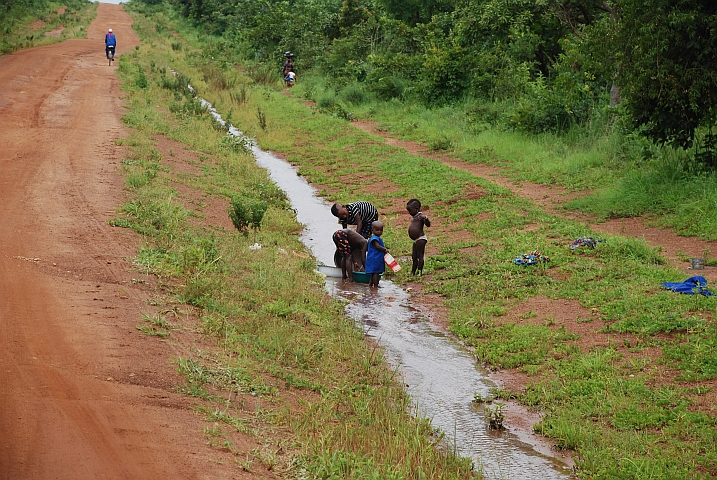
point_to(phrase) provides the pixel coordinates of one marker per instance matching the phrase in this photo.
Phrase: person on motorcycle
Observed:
(110, 41)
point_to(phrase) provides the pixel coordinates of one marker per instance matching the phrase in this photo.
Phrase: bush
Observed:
(326, 102)
(245, 212)
(354, 94)
(389, 87)
(569, 100)
(263, 73)
(141, 80)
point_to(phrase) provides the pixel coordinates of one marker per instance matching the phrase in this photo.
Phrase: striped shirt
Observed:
(365, 210)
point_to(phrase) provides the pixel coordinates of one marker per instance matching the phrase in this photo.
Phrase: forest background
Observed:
(534, 66)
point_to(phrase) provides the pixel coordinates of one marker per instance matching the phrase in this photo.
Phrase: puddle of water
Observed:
(441, 376)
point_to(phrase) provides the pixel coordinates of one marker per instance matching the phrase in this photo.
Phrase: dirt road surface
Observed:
(83, 393)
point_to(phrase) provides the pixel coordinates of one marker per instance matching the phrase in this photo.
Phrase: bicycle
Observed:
(110, 55)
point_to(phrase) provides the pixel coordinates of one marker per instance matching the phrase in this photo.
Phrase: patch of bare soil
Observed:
(36, 25)
(56, 32)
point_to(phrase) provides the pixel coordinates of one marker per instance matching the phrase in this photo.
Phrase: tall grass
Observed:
(622, 174)
(619, 414)
(16, 24)
(321, 392)
(684, 199)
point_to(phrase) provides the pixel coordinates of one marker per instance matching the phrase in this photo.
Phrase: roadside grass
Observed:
(623, 421)
(20, 29)
(621, 175)
(318, 400)
(628, 412)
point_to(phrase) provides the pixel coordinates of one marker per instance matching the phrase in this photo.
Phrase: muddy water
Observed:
(442, 378)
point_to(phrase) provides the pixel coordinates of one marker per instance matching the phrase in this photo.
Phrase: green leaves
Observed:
(245, 212)
(667, 75)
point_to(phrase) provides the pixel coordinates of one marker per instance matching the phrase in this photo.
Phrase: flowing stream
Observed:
(441, 376)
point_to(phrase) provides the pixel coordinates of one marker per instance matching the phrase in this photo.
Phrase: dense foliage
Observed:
(544, 65)
(669, 68)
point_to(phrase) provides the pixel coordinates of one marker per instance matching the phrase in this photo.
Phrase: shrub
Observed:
(246, 212)
(389, 87)
(354, 94)
(141, 80)
(326, 102)
(263, 73)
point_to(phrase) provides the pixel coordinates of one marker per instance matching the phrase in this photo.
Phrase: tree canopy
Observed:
(668, 66)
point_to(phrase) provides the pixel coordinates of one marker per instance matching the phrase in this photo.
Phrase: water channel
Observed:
(441, 376)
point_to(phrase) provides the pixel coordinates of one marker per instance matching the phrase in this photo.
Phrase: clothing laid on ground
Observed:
(589, 242)
(690, 286)
(531, 258)
(374, 257)
(341, 240)
(366, 211)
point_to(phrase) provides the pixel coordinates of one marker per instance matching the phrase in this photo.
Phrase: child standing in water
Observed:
(374, 256)
(415, 231)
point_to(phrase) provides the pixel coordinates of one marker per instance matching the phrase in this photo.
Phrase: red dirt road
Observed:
(83, 394)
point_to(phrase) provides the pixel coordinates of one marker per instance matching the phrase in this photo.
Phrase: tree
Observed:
(416, 11)
(668, 69)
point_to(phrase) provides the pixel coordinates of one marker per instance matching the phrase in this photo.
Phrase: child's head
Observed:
(413, 206)
(377, 228)
(338, 210)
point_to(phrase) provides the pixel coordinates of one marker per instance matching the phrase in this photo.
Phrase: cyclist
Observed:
(110, 41)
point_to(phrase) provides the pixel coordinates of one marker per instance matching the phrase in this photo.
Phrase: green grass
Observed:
(622, 175)
(18, 29)
(621, 426)
(273, 322)
(324, 397)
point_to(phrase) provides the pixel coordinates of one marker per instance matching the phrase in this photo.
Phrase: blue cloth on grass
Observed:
(690, 286)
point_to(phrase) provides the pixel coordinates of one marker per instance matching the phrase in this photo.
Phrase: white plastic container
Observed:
(392, 263)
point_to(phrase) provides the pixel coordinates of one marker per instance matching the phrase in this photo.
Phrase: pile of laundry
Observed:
(589, 242)
(531, 258)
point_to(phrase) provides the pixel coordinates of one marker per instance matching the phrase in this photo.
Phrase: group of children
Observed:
(363, 249)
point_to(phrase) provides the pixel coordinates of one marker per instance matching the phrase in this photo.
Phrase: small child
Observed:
(374, 256)
(290, 79)
(415, 231)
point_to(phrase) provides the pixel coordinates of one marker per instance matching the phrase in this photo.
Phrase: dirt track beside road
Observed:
(84, 393)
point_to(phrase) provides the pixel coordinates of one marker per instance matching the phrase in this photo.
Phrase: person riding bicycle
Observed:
(110, 41)
(288, 68)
